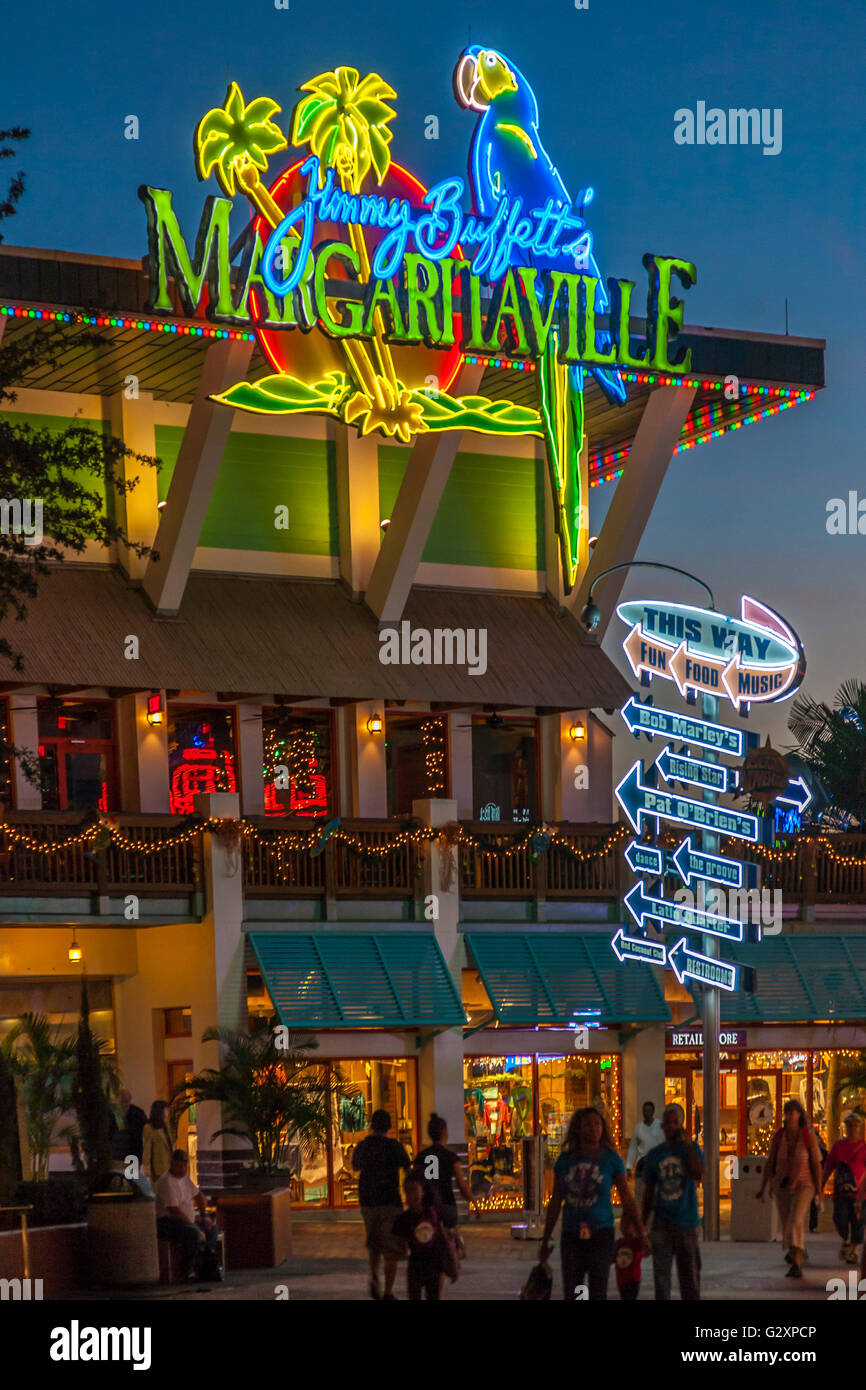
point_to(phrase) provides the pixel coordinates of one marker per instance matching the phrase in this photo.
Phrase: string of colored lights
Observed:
(701, 424)
(145, 325)
(503, 363)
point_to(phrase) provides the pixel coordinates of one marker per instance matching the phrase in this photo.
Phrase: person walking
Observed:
(379, 1161)
(584, 1175)
(647, 1135)
(157, 1143)
(793, 1169)
(421, 1228)
(671, 1173)
(441, 1167)
(847, 1161)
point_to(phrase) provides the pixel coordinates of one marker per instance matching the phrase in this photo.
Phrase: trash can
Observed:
(121, 1234)
(751, 1219)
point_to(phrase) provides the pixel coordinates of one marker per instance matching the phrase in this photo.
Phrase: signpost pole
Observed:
(711, 1018)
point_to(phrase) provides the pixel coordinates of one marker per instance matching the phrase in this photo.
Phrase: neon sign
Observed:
(646, 718)
(641, 802)
(366, 289)
(645, 908)
(757, 657)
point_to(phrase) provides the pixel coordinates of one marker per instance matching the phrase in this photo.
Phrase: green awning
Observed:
(551, 978)
(803, 978)
(357, 979)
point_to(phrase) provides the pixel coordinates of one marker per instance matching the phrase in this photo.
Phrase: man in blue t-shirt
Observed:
(672, 1172)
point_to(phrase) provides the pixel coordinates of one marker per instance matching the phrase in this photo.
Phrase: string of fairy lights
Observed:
(433, 743)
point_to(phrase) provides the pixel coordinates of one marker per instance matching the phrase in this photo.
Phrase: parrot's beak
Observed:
(465, 82)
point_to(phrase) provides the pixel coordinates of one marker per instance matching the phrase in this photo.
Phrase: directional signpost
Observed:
(644, 908)
(756, 657)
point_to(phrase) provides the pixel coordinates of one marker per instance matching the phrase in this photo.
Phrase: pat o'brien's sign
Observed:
(367, 290)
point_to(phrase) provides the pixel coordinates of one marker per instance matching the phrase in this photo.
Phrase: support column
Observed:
(363, 784)
(460, 762)
(251, 757)
(441, 1057)
(219, 1160)
(144, 780)
(358, 514)
(24, 734)
(132, 421)
(195, 471)
(643, 1076)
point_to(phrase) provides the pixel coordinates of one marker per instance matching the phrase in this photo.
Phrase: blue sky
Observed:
(747, 512)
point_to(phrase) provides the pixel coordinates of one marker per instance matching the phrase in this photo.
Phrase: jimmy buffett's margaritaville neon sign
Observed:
(367, 291)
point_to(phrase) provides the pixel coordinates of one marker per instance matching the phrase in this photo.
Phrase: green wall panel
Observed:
(56, 424)
(491, 513)
(258, 473)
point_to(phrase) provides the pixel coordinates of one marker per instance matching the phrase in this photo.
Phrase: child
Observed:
(420, 1227)
(628, 1253)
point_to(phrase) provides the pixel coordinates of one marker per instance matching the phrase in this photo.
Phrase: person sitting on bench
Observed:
(175, 1220)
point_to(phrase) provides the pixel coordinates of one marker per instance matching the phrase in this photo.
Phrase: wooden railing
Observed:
(342, 868)
(572, 867)
(80, 867)
(488, 870)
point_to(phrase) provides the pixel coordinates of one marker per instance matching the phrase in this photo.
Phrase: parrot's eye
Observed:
(490, 60)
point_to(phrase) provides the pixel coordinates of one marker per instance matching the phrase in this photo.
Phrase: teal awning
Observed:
(550, 978)
(803, 978)
(357, 979)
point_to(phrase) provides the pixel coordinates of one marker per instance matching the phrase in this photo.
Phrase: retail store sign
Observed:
(691, 1039)
(756, 657)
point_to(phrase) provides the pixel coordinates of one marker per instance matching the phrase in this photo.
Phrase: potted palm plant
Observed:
(274, 1096)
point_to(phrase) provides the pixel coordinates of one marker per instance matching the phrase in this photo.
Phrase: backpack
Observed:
(844, 1182)
(539, 1285)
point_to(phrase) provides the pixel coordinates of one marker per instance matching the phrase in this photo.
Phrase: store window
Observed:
(77, 755)
(498, 1101)
(570, 1083)
(297, 764)
(415, 759)
(326, 1177)
(505, 769)
(201, 755)
(772, 1078)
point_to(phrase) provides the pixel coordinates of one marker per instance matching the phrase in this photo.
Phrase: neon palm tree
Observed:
(344, 121)
(234, 140)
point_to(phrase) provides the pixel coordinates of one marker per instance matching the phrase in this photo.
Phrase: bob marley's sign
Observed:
(367, 291)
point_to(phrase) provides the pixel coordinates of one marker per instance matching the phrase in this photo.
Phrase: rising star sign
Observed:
(507, 153)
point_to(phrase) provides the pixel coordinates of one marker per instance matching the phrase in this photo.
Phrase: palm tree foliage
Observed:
(235, 135)
(272, 1096)
(44, 1067)
(344, 121)
(832, 741)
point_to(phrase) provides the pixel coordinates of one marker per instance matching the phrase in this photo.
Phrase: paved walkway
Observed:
(328, 1264)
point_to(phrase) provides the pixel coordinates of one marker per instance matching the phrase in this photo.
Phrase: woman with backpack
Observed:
(793, 1168)
(847, 1160)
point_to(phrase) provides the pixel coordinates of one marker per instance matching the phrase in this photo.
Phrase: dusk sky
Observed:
(747, 512)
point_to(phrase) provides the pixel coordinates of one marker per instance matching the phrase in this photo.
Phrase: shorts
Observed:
(378, 1223)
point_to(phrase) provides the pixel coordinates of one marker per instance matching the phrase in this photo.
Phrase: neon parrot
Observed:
(507, 156)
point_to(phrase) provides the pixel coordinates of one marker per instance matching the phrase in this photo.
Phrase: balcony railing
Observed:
(49, 854)
(46, 854)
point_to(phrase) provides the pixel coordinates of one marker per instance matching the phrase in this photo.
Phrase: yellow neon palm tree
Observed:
(344, 120)
(234, 140)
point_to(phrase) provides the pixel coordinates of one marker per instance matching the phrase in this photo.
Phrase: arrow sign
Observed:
(675, 768)
(691, 863)
(640, 802)
(649, 719)
(644, 908)
(798, 794)
(644, 859)
(690, 965)
(645, 653)
(637, 948)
